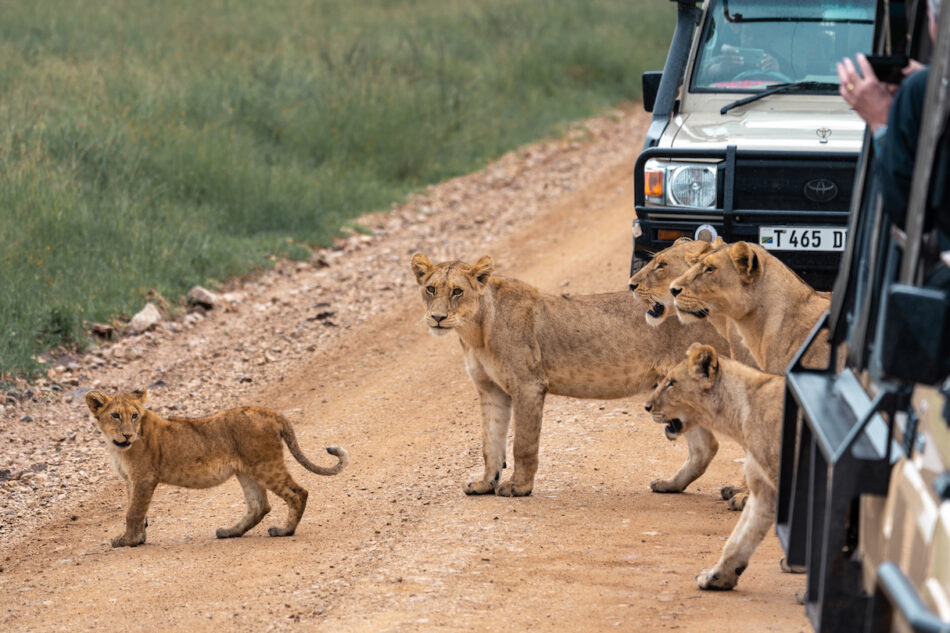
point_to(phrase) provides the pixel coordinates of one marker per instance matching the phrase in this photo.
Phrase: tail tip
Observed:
(338, 451)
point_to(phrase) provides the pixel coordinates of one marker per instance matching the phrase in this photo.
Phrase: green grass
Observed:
(155, 145)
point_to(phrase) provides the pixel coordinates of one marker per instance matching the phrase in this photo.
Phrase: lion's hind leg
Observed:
(257, 508)
(283, 485)
(703, 446)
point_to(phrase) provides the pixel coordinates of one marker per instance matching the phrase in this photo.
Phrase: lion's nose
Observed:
(438, 318)
(633, 286)
(127, 435)
(648, 406)
(675, 291)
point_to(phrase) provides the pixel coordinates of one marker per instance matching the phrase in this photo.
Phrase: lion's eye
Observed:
(660, 265)
(135, 416)
(456, 292)
(430, 290)
(670, 383)
(708, 269)
(115, 416)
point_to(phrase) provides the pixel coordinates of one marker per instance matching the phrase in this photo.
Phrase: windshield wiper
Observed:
(789, 87)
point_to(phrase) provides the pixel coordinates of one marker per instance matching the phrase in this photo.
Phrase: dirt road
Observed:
(392, 544)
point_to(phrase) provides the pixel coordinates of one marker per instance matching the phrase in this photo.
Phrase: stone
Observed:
(147, 319)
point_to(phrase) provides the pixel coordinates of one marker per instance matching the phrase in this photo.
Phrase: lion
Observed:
(521, 345)
(773, 310)
(741, 402)
(651, 285)
(200, 453)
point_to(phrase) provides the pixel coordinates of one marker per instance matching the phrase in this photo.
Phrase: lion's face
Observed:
(651, 284)
(717, 283)
(675, 399)
(120, 418)
(451, 291)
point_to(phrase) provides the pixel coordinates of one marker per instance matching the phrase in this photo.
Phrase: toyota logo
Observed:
(821, 190)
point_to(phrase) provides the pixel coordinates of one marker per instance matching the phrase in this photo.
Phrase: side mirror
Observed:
(915, 346)
(651, 85)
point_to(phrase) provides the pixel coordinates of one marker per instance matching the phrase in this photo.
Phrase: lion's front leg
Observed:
(754, 524)
(528, 406)
(496, 413)
(702, 445)
(134, 533)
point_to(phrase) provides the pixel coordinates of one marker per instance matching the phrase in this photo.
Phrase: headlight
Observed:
(680, 184)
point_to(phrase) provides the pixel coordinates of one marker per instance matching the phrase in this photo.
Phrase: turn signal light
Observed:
(669, 235)
(653, 184)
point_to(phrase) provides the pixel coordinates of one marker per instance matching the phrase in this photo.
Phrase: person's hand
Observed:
(870, 97)
(912, 66)
(768, 63)
(729, 58)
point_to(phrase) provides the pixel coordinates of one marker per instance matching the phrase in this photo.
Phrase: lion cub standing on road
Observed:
(203, 452)
(742, 403)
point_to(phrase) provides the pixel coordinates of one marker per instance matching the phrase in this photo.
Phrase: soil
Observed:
(392, 543)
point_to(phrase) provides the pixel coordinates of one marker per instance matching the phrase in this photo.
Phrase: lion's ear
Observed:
(421, 267)
(746, 262)
(682, 240)
(141, 395)
(482, 270)
(703, 363)
(95, 400)
(718, 242)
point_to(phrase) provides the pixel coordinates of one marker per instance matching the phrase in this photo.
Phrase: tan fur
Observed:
(521, 345)
(771, 307)
(651, 285)
(745, 404)
(203, 452)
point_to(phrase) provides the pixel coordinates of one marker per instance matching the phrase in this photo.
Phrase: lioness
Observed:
(772, 308)
(203, 452)
(521, 345)
(651, 285)
(742, 403)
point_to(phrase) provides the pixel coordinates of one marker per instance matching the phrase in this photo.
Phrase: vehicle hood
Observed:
(797, 124)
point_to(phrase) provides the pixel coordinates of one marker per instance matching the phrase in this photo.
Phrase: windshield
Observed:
(749, 45)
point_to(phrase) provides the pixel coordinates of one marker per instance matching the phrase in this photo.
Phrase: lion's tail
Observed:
(290, 438)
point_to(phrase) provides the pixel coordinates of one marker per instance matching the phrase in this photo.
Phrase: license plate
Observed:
(802, 238)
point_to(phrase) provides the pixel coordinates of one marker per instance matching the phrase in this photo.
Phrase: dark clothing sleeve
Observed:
(896, 163)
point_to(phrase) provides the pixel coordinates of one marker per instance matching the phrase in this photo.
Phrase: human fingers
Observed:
(912, 66)
(867, 70)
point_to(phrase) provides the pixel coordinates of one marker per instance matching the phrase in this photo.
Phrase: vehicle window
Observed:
(749, 45)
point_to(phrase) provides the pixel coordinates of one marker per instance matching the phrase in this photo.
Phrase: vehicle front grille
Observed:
(803, 185)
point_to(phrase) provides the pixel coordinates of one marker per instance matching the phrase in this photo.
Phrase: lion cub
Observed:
(203, 452)
(742, 403)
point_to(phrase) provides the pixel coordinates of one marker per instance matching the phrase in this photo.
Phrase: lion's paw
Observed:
(480, 487)
(737, 502)
(279, 531)
(128, 541)
(716, 580)
(511, 489)
(665, 486)
(729, 491)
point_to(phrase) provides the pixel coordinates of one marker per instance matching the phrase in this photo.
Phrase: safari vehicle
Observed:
(864, 480)
(750, 139)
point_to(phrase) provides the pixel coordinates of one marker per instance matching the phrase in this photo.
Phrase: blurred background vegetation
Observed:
(160, 144)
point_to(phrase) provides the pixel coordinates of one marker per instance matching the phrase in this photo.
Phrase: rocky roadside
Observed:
(219, 354)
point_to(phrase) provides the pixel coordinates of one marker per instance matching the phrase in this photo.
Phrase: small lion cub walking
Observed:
(200, 453)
